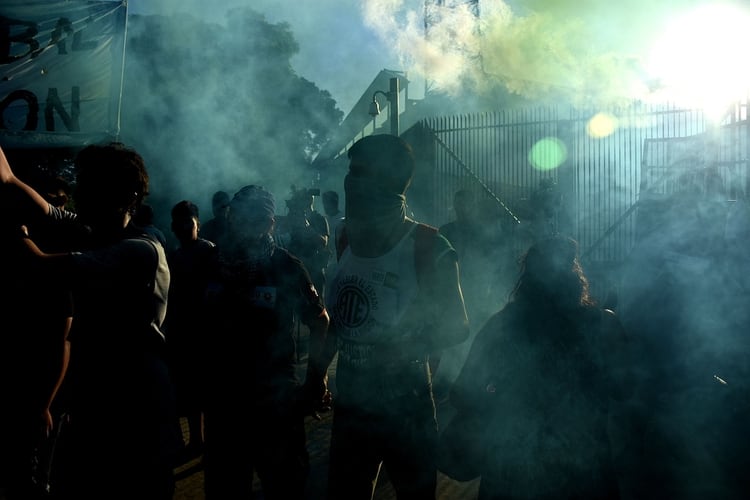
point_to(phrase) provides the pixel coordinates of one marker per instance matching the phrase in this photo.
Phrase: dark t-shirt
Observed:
(253, 306)
(310, 252)
(189, 267)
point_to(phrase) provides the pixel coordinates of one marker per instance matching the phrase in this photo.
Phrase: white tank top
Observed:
(368, 297)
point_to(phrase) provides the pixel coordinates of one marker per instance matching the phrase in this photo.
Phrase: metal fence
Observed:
(588, 169)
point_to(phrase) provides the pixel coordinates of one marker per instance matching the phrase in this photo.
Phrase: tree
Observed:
(216, 107)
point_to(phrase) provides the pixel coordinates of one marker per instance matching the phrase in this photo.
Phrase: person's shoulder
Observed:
(610, 324)
(602, 323)
(289, 264)
(156, 234)
(442, 248)
(204, 243)
(132, 251)
(142, 243)
(282, 256)
(448, 226)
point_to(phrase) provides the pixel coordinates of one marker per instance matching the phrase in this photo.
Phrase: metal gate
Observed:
(600, 175)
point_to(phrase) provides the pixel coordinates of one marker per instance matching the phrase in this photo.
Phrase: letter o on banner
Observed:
(32, 116)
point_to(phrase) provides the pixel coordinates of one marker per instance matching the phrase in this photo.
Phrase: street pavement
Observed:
(190, 475)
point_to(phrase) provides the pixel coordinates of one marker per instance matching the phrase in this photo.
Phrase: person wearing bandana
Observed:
(255, 407)
(386, 319)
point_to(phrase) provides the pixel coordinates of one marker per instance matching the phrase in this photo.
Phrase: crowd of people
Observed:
(105, 328)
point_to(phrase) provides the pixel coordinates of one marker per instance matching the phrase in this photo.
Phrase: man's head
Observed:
(330, 203)
(251, 214)
(385, 159)
(463, 204)
(111, 180)
(220, 204)
(144, 216)
(380, 172)
(301, 201)
(185, 221)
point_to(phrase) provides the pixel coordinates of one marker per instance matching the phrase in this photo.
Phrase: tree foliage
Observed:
(217, 106)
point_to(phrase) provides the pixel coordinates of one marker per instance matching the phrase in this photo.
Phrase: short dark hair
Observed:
(113, 173)
(331, 197)
(388, 159)
(185, 208)
(220, 198)
(144, 215)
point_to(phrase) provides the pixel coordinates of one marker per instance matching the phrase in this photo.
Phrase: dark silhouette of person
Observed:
(483, 260)
(308, 233)
(36, 308)
(386, 319)
(461, 232)
(213, 229)
(333, 214)
(186, 325)
(254, 417)
(144, 219)
(119, 279)
(539, 377)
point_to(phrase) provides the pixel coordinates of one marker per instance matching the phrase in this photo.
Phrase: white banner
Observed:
(61, 70)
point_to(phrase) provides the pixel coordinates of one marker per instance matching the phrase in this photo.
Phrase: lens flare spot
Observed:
(548, 153)
(601, 125)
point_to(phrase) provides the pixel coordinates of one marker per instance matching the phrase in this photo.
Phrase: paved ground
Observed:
(190, 475)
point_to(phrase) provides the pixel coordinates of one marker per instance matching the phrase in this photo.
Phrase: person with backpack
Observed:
(118, 372)
(394, 299)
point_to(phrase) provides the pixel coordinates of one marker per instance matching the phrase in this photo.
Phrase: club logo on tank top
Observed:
(355, 301)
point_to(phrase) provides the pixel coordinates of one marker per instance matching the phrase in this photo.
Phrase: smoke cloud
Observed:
(215, 106)
(586, 53)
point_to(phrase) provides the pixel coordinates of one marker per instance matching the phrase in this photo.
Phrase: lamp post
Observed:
(392, 96)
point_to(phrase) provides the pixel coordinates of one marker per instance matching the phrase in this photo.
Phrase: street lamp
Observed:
(392, 96)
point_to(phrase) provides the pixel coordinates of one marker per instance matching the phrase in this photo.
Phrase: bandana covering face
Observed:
(371, 205)
(242, 263)
(250, 204)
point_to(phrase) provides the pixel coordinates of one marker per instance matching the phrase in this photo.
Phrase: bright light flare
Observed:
(601, 125)
(701, 58)
(548, 153)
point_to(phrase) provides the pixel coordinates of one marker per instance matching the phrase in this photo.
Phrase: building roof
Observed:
(356, 121)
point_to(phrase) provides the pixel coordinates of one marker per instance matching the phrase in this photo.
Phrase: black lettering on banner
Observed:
(63, 24)
(54, 104)
(79, 43)
(63, 30)
(26, 38)
(32, 103)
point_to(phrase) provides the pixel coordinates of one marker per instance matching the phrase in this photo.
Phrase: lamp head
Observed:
(374, 107)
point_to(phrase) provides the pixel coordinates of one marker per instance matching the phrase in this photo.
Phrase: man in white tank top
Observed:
(387, 316)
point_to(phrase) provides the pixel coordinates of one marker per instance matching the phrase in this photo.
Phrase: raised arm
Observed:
(33, 203)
